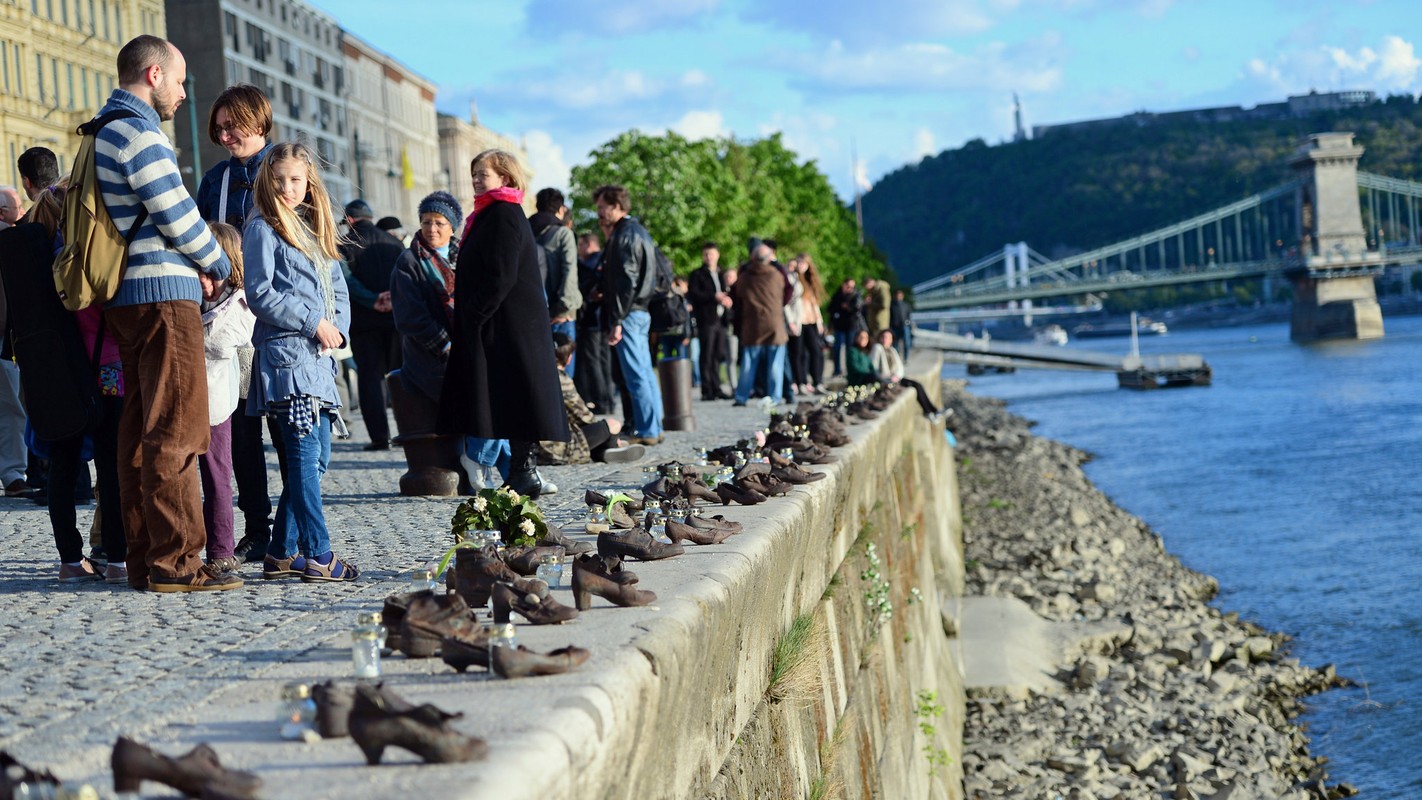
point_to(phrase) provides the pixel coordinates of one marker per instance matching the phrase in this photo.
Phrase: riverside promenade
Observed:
(676, 700)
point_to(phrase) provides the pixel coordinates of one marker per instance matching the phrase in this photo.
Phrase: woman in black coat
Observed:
(500, 381)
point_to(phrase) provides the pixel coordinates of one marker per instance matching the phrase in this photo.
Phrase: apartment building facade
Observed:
(460, 141)
(58, 66)
(394, 139)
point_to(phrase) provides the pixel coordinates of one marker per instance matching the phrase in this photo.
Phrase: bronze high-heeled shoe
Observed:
(333, 709)
(134, 763)
(635, 543)
(520, 662)
(466, 650)
(429, 620)
(538, 610)
(765, 484)
(678, 531)
(376, 723)
(693, 489)
(588, 581)
(609, 567)
(729, 491)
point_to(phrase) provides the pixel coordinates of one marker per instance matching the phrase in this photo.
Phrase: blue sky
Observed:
(899, 78)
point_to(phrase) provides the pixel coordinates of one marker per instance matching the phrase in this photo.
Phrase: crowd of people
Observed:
(240, 310)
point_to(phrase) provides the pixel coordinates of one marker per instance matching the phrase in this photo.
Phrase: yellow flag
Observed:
(407, 174)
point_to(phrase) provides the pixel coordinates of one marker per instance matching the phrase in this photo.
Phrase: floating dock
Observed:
(1132, 371)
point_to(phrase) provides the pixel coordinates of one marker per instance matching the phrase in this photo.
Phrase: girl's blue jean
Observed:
(300, 521)
(489, 452)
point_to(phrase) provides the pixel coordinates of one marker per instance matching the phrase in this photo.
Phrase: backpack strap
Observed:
(92, 128)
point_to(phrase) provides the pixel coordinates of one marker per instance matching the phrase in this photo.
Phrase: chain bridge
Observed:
(1329, 231)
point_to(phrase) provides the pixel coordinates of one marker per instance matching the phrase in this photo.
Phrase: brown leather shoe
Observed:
(556, 537)
(204, 580)
(714, 523)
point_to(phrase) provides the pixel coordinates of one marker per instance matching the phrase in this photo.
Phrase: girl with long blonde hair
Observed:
(297, 290)
(812, 326)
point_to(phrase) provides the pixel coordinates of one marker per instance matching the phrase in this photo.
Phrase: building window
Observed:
(104, 4)
(229, 28)
(69, 76)
(64, 11)
(39, 75)
(234, 72)
(92, 21)
(84, 83)
(118, 25)
(5, 66)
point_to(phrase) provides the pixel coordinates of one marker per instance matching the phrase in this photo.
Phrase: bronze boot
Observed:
(475, 572)
(429, 620)
(333, 709)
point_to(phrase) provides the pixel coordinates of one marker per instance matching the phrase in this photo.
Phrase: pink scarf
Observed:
(505, 193)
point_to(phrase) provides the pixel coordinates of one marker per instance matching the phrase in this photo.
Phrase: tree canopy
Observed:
(725, 191)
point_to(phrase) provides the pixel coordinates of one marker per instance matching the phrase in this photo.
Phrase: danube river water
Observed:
(1296, 480)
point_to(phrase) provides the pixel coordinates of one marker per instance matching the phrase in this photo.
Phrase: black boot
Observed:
(523, 469)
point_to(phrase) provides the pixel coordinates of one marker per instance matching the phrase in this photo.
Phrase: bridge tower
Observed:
(1334, 293)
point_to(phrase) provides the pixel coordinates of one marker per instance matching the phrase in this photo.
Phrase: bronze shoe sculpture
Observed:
(609, 567)
(134, 763)
(520, 662)
(792, 474)
(635, 543)
(333, 709)
(598, 499)
(476, 570)
(693, 489)
(465, 650)
(729, 492)
(588, 581)
(765, 484)
(394, 611)
(679, 531)
(714, 523)
(524, 560)
(555, 537)
(377, 723)
(12, 773)
(429, 620)
(537, 609)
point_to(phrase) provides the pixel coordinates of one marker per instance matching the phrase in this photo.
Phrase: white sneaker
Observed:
(549, 487)
(475, 471)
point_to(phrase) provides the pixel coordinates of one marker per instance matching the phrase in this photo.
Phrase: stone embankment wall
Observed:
(815, 665)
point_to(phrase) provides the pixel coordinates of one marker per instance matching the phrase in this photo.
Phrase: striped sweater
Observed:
(136, 165)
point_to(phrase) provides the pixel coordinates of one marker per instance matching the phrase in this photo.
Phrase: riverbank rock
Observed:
(1181, 700)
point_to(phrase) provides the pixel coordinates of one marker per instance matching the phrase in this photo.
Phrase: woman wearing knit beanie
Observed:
(422, 296)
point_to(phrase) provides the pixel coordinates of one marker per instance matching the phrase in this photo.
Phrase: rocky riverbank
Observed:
(1183, 701)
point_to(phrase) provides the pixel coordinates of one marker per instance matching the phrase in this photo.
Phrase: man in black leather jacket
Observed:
(629, 275)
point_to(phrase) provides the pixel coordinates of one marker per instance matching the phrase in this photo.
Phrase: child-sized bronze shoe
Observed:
(378, 723)
(520, 662)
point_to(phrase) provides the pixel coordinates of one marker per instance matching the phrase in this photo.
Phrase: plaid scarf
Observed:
(436, 266)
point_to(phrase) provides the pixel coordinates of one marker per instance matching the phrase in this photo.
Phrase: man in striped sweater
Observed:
(173, 262)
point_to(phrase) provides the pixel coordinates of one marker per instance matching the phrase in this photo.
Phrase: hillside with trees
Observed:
(1073, 190)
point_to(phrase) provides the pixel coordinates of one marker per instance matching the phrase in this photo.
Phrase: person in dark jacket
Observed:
(594, 376)
(551, 231)
(239, 121)
(710, 305)
(629, 276)
(900, 322)
(501, 381)
(846, 316)
(370, 256)
(760, 295)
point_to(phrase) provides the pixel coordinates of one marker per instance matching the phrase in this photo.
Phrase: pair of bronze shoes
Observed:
(461, 653)
(198, 773)
(538, 607)
(635, 543)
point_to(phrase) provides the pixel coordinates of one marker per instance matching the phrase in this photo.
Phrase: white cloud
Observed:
(1393, 65)
(546, 160)
(924, 145)
(931, 67)
(704, 124)
(556, 17)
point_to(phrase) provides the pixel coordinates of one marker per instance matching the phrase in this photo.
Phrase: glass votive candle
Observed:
(550, 570)
(502, 634)
(365, 652)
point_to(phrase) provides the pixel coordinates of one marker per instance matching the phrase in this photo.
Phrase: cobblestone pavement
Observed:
(83, 663)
